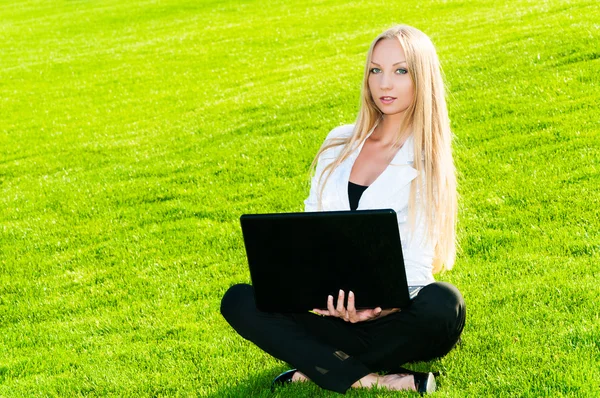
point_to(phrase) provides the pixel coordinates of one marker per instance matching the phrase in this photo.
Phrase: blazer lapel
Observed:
(394, 178)
(342, 175)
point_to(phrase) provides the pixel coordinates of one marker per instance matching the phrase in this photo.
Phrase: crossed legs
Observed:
(335, 354)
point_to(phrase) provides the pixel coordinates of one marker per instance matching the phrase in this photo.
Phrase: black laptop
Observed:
(297, 259)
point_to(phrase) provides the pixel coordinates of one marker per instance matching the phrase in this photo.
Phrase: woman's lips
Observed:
(387, 100)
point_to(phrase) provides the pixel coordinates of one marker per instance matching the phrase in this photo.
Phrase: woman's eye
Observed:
(401, 71)
(375, 70)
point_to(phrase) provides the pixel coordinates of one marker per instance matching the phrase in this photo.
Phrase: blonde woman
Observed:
(397, 155)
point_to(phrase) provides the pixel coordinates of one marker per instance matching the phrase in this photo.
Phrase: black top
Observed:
(355, 191)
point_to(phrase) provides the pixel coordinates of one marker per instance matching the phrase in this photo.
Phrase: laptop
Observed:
(297, 259)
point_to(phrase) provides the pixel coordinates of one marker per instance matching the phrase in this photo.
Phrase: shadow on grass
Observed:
(258, 384)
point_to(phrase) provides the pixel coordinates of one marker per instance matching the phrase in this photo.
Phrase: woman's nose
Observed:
(386, 82)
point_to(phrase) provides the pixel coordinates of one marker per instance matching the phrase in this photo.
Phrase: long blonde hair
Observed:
(428, 120)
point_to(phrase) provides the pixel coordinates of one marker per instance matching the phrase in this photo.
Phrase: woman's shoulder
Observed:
(335, 140)
(344, 131)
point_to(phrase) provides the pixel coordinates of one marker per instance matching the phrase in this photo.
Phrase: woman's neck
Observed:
(386, 131)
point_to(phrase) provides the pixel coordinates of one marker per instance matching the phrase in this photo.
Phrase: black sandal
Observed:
(424, 382)
(284, 378)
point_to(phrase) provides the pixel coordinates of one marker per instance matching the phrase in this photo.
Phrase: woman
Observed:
(397, 155)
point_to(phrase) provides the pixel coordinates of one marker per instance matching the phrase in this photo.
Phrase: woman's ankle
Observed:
(299, 376)
(392, 382)
(367, 381)
(399, 382)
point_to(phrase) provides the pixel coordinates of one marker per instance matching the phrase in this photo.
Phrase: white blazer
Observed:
(390, 190)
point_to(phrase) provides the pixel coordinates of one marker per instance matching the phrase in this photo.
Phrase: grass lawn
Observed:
(133, 134)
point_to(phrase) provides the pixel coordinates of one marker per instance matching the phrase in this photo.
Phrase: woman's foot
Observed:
(399, 381)
(299, 376)
(391, 382)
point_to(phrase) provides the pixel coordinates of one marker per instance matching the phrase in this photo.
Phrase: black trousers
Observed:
(333, 353)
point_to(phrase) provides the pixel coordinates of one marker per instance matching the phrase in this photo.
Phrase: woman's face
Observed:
(390, 84)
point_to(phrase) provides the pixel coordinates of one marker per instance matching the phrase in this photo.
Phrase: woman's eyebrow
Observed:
(397, 63)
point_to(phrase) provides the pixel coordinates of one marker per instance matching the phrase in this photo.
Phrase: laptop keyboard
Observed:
(413, 291)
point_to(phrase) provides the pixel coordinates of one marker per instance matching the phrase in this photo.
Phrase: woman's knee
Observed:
(234, 300)
(445, 305)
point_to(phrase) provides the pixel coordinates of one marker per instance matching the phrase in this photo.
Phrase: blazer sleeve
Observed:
(311, 203)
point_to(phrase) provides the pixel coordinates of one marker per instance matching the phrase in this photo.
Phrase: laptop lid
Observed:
(297, 259)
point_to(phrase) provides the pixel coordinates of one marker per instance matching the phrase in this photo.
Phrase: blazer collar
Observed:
(399, 173)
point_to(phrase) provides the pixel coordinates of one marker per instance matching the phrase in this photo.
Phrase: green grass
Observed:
(133, 134)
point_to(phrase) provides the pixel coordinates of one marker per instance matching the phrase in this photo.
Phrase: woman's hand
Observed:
(350, 314)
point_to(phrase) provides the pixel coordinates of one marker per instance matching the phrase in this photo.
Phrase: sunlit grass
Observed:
(134, 134)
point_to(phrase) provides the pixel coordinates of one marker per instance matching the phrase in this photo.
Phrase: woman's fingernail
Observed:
(350, 293)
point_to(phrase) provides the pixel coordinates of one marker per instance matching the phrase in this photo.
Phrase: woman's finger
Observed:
(351, 308)
(330, 305)
(340, 303)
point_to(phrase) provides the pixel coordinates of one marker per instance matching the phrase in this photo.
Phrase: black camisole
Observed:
(355, 191)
